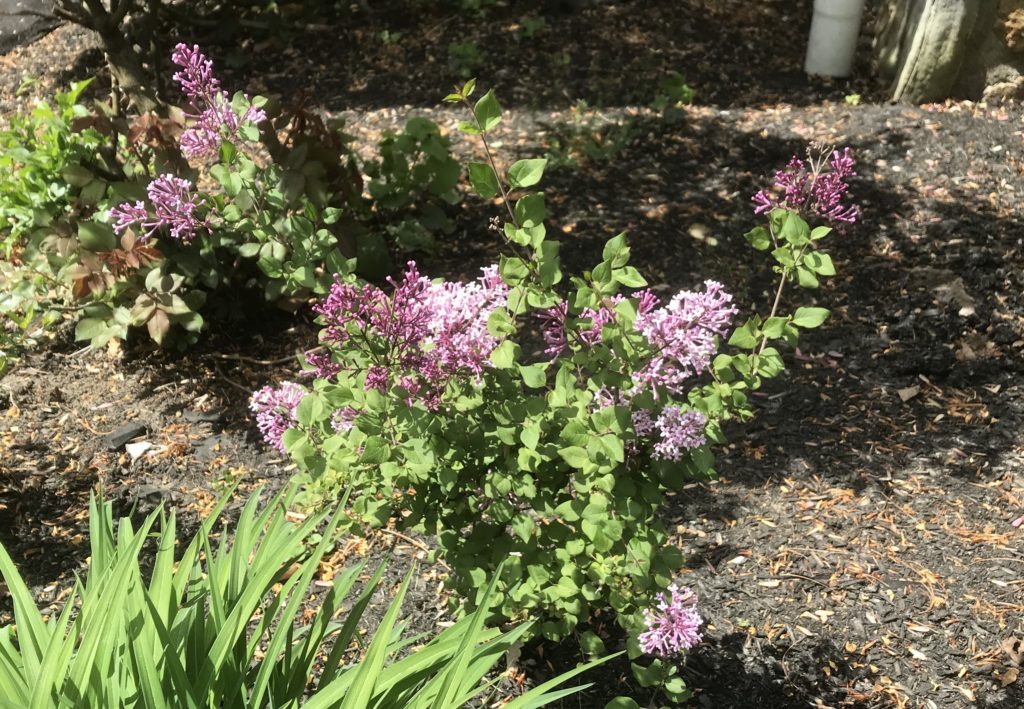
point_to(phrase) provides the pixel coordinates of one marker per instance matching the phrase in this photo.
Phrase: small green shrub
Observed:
(218, 626)
(546, 469)
(464, 58)
(589, 138)
(157, 224)
(673, 94)
(49, 160)
(413, 176)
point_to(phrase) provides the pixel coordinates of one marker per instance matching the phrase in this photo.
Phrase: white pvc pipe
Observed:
(833, 41)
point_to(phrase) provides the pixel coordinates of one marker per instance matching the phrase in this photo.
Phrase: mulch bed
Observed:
(857, 549)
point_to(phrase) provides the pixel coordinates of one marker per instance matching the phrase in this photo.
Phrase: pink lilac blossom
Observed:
(275, 411)
(807, 187)
(605, 315)
(682, 334)
(196, 76)
(679, 431)
(344, 419)
(555, 321)
(553, 329)
(323, 365)
(643, 423)
(174, 206)
(421, 335)
(458, 339)
(214, 118)
(672, 625)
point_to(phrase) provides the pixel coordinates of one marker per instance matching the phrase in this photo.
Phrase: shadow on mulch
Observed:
(537, 53)
(28, 508)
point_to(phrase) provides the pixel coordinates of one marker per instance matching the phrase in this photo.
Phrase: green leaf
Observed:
(615, 251)
(820, 263)
(481, 176)
(769, 363)
(649, 676)
(500, 323)
(534, 375)
(806, 278)
(523, 526)
(488, 111)
(591, 644)
(759, 237)
(526, 173)
(595, 532)
(629, 277)
(513, 270)
(622, 703)
(809, 317)
(369, 669)
(820, 232)
(570, 510)
(576, 456)
(231, 181)
(784, 255)
(77, 175)
(505, 355)
(530, 436)
(773, 326)
(530, 210)
(96, 237)
(676, 689)
(375, 451)
(795, 230)
(744, 337)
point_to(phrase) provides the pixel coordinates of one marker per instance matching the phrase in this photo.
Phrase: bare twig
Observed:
(415, 542)
(253, 360)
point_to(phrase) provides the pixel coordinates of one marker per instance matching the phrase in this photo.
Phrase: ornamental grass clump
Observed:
(220, 625)
(543, 470)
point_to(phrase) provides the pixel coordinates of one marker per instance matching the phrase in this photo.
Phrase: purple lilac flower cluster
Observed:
(214, 118)
(275, 411)
(679, 431)
(344, 419)
(816, 186)
(422, 335)
(174, 206)
(556, 331)
(672, 625)
(683, 334)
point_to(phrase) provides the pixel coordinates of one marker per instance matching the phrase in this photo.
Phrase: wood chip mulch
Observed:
(864, 545)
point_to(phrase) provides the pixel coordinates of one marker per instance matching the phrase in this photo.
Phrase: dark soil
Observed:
(857, 549)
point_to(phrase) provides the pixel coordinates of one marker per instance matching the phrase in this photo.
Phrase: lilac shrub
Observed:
(535, 427)
(235, 206)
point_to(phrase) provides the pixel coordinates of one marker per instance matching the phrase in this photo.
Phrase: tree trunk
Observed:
(931, 50)
(127, 71)
(107, 19)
